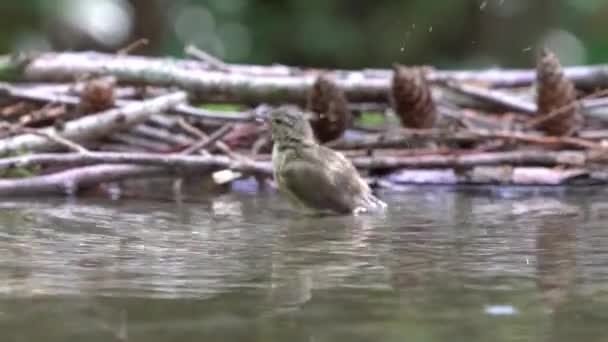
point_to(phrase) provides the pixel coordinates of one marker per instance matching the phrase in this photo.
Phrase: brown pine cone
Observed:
(412, 99)
(558, 114)
(97, 95)
(329, 106)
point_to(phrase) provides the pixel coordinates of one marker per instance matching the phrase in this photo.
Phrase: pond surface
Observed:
(442, 265)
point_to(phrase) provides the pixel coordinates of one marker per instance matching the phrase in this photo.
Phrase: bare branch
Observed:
(94, 126)
(494, 97)
(200, 164)
(208, 141)
(185, 163)
(483, 175)
(407, 138)
(215, 63)
(70, 181)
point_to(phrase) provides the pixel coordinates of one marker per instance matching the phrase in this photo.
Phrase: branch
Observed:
(504, 175)
(163, 135)
(51, 95)
(94, 126)
(212, 163)
(174, 162)
(51, 136)
(154, 165)
(208, 141)
(255, 84)
(494, 97)
(408, 138)
(212, 61)
(70, 181)
(516, 158)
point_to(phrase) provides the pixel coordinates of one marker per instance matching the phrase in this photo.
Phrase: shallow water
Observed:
(442, 265)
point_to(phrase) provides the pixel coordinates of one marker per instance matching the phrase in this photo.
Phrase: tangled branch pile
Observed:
(70, 121)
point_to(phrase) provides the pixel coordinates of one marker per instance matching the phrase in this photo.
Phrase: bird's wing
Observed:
(324, 185)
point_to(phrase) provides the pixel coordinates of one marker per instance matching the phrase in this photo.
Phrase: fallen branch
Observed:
(137, 165)
(93, 126)
(246, 84)
(69, 182)
(585, 76)
(52, 137)
(163, 135)
(175, 162)
(517, 158)
(211, 163)
(407, 138)
(208, 141)
(485, 175)
(44, 95)
(141, 142)
(213, 62)
(492, 97)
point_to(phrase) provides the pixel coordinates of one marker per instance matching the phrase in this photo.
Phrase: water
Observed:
(441, 265)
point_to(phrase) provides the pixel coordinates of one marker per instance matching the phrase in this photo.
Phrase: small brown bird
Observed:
(314, 177)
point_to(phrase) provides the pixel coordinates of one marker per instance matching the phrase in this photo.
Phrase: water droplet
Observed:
(483, 5)
(500, 310)
(430, 28)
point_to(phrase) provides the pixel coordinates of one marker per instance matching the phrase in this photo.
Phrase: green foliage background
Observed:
(344, 33)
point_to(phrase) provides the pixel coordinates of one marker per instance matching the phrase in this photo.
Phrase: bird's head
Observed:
(288, 123)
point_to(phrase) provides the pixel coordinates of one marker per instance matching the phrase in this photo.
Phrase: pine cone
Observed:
(412, 99)
(97, 95)
(329, 106)
(558, 114)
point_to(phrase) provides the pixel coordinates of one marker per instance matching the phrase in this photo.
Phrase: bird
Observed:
(313, 177)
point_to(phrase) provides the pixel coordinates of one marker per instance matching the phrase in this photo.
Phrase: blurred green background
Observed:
(339, 33)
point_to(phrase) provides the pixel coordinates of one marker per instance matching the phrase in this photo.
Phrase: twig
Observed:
(40, 95)
(94, 126)
(175, 162)
(493, 97)
(17, 109)
(472, 119)
(516, 158)
(70, 145)
(541, 140)
(36, 95)
(211, 114)
(47, 112)
(192, 130)
(601, 134)
(408, 137)
(70, 181)
(135, 68)
(556, 112)
(148, 165)
(53, 137)
(133, 46)
(200, 164)
(214, 63)
(484, 175)
(163, 135)
(141, 142)
(220, 145)
(206, 142)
